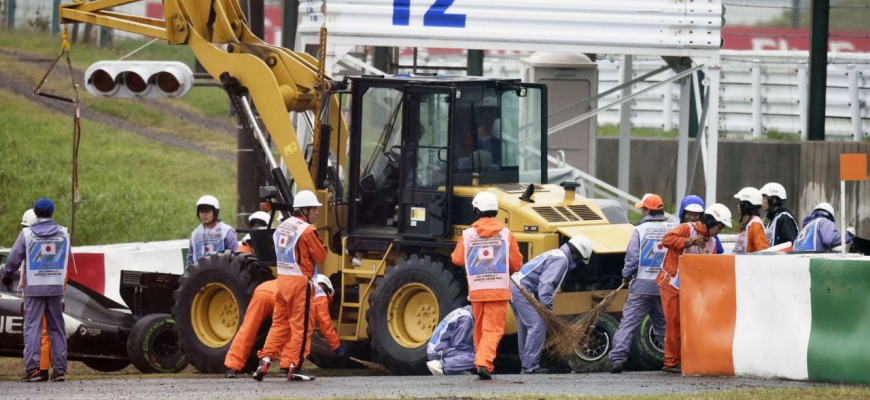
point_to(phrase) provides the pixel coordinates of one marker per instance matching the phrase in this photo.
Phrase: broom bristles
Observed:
(556, 325)
(579, 333)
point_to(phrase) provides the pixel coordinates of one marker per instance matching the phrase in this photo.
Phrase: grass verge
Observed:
(132, 189)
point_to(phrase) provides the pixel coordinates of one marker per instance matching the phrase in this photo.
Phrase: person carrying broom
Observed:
(490, 253)
(542, 277)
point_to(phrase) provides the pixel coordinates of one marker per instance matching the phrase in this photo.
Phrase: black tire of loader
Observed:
(237, 272)
(106, 364)
(435, 272)
(153, 345)
(606, 328)
(646, 354)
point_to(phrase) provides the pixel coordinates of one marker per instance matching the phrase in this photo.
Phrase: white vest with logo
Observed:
(486, 260)
(770, 231)
(740, 245)
(652, 252)
(285, 238)
(46, 259)
(206, 241)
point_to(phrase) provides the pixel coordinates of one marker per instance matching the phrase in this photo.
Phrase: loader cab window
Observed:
(498, 134)
(378, 152)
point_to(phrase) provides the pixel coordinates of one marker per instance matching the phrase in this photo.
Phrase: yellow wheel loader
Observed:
(396, 180)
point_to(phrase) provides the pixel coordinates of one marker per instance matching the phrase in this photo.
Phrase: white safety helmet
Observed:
(305, 198)
(28, 218)
(485, 201)
(719, 213)
(324, 280)
(750, 195)
(259, 216)
(208, 200)
(582, 245)
(773, 189)
(825, 207)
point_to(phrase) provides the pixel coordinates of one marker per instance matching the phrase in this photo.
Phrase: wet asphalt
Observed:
(627, 383)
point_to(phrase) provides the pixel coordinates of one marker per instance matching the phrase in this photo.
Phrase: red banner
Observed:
(787, 39)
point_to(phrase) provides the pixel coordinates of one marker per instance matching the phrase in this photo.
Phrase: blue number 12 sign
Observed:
(436, 15)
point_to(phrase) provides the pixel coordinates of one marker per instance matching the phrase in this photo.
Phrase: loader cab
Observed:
(414, 139)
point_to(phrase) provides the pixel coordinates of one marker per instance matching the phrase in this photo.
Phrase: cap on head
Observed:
(719, 213)
(43, 205)
(750, 195)
(485, 201)
(582, 246)
(305, 198)
(694, 207)
(773, 189)
(651, 201)
(28, 218)
(208, 200)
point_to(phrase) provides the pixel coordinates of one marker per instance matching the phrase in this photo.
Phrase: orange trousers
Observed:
(324, 322)
(44, 349)
(671, 306)
(288, 322)
(489, 319)
(261, 306)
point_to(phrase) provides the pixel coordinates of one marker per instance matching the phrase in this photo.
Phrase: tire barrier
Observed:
(800, 317)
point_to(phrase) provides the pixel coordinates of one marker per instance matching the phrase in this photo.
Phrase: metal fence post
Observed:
(10, 15)
(802, 99)
(55, 17)
(855, 103)
(668, 112)
(756, 99)
(625, 127)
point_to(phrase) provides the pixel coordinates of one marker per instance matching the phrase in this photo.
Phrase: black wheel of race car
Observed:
(153, 345)
(646, 351)
(210, 304)
(408, 302)
(106, 364)
(593, 358)
(324, 358)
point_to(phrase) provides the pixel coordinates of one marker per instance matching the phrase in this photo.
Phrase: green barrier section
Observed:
(839, 347)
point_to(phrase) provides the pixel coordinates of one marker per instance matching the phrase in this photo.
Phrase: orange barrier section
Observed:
(708, 304)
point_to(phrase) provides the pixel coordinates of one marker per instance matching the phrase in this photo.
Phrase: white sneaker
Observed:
(435, 367)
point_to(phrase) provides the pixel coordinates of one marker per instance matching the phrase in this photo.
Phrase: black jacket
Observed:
(786, 229)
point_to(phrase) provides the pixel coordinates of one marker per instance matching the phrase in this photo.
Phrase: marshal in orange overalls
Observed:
(299, 248)
(261, 306)
(675, 240)
(490, 254)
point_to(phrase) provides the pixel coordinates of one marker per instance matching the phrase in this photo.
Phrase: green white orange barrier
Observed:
(802, 317)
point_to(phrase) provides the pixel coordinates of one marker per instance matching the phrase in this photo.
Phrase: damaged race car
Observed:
(102, 333)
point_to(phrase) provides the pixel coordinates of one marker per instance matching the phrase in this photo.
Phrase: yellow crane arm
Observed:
(278, 80)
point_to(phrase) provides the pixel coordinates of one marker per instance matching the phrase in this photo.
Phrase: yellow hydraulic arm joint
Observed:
(278, 80)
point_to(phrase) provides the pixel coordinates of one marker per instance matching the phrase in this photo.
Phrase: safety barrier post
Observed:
(756, 99)
(802, 99)
(55, 17)
(855, 103)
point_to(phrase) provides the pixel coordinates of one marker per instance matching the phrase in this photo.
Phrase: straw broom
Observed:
(367, 364)
(556, 325)
(580, 332)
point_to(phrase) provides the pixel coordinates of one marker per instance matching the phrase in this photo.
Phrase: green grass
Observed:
(212, 102)
(613, 130)
(132, 188)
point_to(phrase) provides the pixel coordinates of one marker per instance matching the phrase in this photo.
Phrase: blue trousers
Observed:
(531, 331)
(34, 308)
(637, 306)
